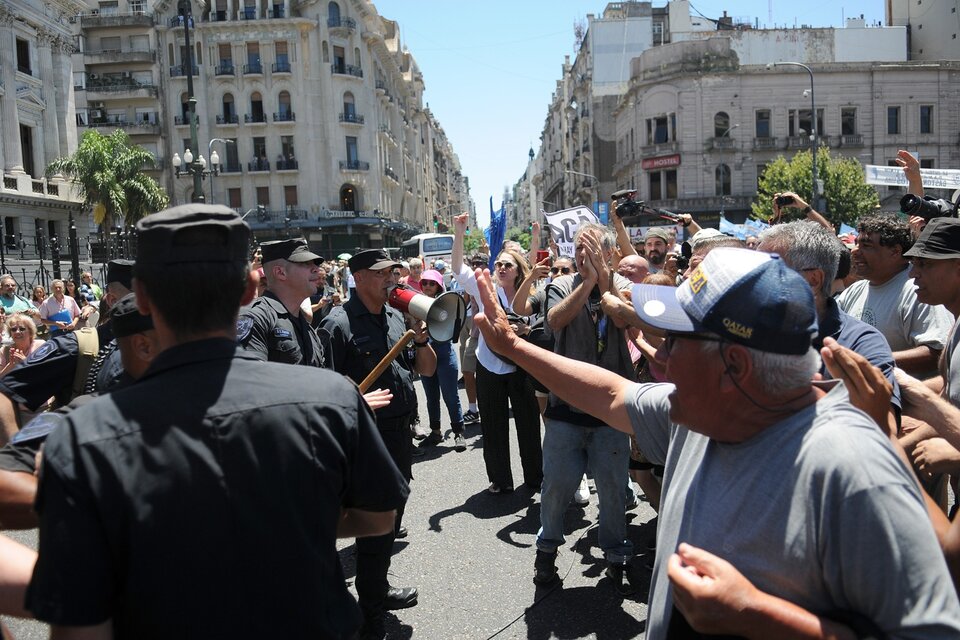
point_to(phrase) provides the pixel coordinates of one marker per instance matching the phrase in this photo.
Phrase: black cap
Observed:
(120, 271)
(293, 250)
(157, 235)
(126, 319)
(375, 259)
(939, 240)
(479, 257)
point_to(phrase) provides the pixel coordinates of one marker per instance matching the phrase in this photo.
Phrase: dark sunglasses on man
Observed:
(563, 270)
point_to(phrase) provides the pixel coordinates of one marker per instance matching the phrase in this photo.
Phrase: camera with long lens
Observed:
(626, 206)
(683, 258)
(927, 207)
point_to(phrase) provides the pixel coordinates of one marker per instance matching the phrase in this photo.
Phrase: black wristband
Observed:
(420, 345)
(686, 223)
(807, 209)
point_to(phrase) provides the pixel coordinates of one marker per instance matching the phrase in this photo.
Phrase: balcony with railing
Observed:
(112, 86)
(228, 119)
(354, 165)
(253, 68)
(798, 142)
(722, 143)
(390, 173)
(346, 70)
(280, 67)
(225, 69)
(341, 26)
(351, 118)
(113, 56)
(766, 144)
(179, 70)
(217, 16)
(851, 140)
(181, 121)
(130, 19)
(288, 165)
(230, 167)
(261, 164)
(255, 118)
(285, 116)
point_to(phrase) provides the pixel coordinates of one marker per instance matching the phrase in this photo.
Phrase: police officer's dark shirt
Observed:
(203, 501)
(49, 371)
(270, 332)
(360, 339)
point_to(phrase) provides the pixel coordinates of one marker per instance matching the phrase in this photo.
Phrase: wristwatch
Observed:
(807, 209)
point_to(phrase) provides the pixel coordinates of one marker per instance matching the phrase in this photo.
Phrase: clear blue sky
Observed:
(490, 67)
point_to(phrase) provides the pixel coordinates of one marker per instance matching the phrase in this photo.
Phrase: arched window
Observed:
(721, 124)
(283, 105)
(349, 107)
(333, 13)
(723, 180)
(256, 107)
(356, 57)
(229, 109)
(348, 196)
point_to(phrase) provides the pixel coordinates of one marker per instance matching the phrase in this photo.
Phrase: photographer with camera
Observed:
(790, 200)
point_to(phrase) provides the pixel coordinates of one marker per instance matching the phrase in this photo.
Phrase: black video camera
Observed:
(927, 207)
(626, 206)
(683, 258)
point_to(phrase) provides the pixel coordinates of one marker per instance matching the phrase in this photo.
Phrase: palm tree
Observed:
(108, 172)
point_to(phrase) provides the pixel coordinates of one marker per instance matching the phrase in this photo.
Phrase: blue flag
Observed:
(755, 227)
(496, 232)
(731, 229)
(846, 229)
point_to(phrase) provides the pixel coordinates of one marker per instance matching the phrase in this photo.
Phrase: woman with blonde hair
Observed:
(23, 336)
(500, 385)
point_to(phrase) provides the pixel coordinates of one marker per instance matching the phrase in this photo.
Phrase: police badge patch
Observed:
(244, 326)
(45, 350)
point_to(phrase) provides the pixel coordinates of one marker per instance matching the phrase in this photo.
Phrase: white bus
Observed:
(432, 246)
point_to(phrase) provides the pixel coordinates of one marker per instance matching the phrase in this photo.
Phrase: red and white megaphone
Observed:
(444, 314)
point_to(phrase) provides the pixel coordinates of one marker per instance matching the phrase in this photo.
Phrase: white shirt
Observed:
(464, 276)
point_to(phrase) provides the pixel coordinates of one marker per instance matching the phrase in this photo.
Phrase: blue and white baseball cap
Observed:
(743, 296)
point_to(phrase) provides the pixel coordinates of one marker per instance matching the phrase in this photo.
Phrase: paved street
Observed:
(471, 556)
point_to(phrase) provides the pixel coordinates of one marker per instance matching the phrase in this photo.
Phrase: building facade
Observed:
(36, 127)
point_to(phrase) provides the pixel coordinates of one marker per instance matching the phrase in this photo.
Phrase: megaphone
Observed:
(444, 314)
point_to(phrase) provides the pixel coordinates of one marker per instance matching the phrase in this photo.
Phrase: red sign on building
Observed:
(661, 162)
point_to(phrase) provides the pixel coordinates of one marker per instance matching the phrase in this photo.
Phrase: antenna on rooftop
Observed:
(769, 11)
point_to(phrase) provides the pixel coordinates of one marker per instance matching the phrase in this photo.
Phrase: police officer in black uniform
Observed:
(52, 368)
(207, 497)
(361, 332)
(272, 327)
(136, 347)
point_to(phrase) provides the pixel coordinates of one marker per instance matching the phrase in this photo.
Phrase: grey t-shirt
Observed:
(894, 310)
(817, 509)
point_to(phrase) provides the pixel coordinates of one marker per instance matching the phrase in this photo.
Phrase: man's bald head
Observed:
(634, 268)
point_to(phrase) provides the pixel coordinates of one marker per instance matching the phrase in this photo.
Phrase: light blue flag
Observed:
(755, 227)
(496, 232)
(731, 229)
(846, 229)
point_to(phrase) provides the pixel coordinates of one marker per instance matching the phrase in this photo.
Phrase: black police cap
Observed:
(126, 319)
(293, 250)
(120, 271)
(160, 240)
(375, 259)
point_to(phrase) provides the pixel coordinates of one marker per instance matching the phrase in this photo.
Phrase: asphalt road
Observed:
(471, 555)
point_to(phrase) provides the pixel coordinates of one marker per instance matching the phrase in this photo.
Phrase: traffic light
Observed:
(436, 223)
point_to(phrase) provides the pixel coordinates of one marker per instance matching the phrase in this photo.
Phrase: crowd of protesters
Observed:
(789, 404)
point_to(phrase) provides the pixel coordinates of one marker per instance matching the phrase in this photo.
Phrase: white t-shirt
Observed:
(894, 310)
(465, 277)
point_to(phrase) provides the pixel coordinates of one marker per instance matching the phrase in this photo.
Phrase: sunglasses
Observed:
(17, 329)
(563, 270)
(505, 265)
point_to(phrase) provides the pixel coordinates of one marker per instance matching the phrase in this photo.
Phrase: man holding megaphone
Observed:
(362, 332)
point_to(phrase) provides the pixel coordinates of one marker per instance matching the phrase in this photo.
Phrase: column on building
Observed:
(259, 6)
(12, 151)
(66, 103)
(51, 128)
(286, 8)
(230, 11)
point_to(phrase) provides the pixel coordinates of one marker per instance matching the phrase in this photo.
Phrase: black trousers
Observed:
(373, 553)
(495, 395)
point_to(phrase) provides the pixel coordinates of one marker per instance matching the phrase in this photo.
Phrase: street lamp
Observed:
(215, 161)
(725, 169)
(195, 169)
(813, 125)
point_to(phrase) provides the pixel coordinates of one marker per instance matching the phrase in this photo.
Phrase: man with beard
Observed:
(655, 248)
(272, 326)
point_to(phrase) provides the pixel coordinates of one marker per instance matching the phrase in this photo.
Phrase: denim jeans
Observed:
(444, 382)
(568, 450)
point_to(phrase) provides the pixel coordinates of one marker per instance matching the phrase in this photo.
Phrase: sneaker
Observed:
(622, 577)
(495, 489)
(545, 568)
(434, 438)
(581, 497)
(471, 417)
(459, 444)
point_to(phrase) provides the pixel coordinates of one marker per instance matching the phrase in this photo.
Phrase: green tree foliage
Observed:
(473, 242)
(108, 171)
(521, 235)
(848, 196)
